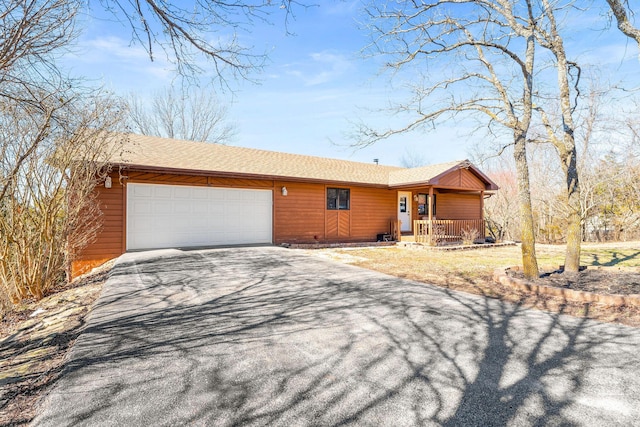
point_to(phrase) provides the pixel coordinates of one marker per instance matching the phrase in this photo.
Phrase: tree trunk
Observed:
(529, 260)
(567, 147)
(568, 157)
(574, 218)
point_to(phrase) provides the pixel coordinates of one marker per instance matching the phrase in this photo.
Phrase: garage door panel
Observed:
(265, 197)
(162, 191)
(249, 197)
(161, 216)
(199, 193)
(181, 208)
(216, 236)
(200, 222)
(162, 241)
(182, 193)
(142, 225)
(200, 207)
(162, 222)
(232, 195)
(142, 191)
(161, 207)
(216, 195)
(140, 207)
(215, 208)
(232, 205)
(234, 223)
(262, 211)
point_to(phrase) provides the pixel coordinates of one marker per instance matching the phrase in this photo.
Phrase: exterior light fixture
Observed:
(284, 191)
(107, 182)
(415, 197)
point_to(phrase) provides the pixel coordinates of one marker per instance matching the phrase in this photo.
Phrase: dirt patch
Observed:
(35, 339)
(606, 281)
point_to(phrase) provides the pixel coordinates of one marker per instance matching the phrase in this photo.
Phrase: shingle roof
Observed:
(171, 154)
(420, 174)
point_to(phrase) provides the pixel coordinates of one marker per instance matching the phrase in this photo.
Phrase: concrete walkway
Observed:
(269, 336)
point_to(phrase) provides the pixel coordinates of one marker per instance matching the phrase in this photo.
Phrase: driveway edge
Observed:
(500, 275)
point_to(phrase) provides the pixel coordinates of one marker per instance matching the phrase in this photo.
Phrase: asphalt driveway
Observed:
(270, 336)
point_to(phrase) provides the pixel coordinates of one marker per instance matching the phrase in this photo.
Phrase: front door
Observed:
(404, 210)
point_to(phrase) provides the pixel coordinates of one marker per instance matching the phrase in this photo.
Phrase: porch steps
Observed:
(407, 238)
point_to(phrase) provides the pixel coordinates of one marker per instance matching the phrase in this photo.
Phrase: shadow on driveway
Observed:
(269, 336)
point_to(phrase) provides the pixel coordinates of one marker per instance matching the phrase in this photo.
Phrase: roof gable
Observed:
(459, 174)
(462, 178)
(464, 175)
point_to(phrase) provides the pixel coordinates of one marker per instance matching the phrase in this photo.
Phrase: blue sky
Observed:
(315, 83)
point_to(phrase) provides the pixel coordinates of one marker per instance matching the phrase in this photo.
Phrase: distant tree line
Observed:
(609, 171)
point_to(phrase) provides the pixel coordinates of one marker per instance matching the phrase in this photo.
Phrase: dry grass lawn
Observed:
(471, 271)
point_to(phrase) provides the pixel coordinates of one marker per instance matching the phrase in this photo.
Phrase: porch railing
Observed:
(448, 230)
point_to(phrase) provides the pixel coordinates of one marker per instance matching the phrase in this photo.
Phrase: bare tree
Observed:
(41, 116)
(487, 48)
(193, 114)
(562, 131)
(186, 34)
(501, 212)
(610, 171)
(202, 28)
(31, 31)
(615, 198)
(562, 136)
(412, 158)
(622, 11)
(48, 211)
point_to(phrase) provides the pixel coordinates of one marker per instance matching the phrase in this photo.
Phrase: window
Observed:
(423, 206)
(337, 199)
(403, 204)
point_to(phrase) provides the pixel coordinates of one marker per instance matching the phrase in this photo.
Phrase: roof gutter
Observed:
(198, 172)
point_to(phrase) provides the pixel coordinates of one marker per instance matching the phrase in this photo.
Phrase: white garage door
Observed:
(166, 216)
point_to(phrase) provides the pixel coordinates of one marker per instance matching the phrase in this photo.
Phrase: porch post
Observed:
(482, 215)
(430, 210)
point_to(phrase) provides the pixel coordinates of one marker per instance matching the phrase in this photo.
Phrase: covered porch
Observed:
(446, 209)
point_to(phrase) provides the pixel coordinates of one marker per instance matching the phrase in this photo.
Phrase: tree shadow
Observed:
(234, 337)
(616, 258)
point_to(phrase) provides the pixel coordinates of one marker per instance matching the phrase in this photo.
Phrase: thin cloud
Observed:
(132, 55)
(110, 48)
(115, 52)
(323, 68)
(342, 8)
(613, 54)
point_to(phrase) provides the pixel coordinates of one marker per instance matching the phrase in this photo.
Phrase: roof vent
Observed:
(376, 161)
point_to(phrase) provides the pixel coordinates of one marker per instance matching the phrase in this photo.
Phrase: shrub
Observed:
(469, 236)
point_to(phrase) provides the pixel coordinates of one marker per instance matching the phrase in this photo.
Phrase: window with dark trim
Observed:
(423, 206)
(338, 199)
